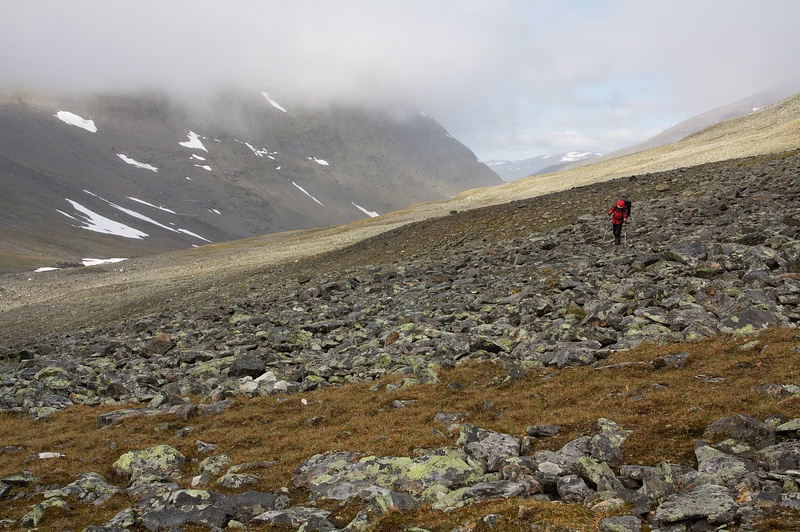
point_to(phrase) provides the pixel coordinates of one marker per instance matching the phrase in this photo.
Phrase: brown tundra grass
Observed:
(666, 409)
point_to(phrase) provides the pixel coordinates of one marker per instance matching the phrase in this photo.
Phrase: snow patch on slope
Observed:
(95, 262)
(75, 120)
(137, 164)
(273, 102)
(94, 222)
(194, 142)
(151, 205)
(371, 214)
(100, 224)
(260, 152)
(147, 219)
(572, 156)
(306, 192)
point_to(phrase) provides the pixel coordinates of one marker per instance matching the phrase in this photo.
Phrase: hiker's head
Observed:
(621, 204)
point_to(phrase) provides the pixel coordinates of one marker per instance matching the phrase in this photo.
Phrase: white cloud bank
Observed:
(506, 77)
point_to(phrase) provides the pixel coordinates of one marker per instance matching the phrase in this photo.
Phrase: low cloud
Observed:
(599, 72)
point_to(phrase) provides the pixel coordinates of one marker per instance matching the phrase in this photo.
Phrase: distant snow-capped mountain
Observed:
(543, 164)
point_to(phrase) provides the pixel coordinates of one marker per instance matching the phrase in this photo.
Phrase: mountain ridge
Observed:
(184, 176)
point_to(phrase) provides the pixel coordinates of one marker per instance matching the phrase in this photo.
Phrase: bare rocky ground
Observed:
(57, 301)
(85, 296)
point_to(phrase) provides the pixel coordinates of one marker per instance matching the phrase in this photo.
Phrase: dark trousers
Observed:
(617, 233)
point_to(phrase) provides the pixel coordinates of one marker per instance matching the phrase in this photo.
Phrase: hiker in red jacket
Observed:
(619, 216)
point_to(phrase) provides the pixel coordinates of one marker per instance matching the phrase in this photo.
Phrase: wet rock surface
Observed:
(718, 250)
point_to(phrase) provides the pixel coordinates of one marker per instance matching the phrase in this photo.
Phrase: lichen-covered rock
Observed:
(298, 516)
(659, 482)
(124, 519)
(237, 480)
(573, 489)
(344, 475)
(782, 456)
(45, 508)
(481, 491)
(90, 487)
(749, 321)
(720, 465)
(487, 446)
(709, 502)
(384, 504)
(623, 523)
(160, 460)
(178, 508)
(213, 465)
(606, 446)
(790, 428)
(598, 474)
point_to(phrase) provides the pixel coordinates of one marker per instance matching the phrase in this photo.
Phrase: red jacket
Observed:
(618, 215)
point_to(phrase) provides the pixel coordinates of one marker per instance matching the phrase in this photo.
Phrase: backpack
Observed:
(627, 205)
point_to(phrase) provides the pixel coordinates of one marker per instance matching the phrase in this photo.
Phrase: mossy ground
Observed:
(666, 409)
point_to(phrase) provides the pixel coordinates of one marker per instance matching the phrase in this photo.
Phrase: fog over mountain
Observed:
(511, 79)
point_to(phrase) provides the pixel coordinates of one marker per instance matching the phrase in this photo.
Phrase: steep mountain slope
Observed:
(121, 176)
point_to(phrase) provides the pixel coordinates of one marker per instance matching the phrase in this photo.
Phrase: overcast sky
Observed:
(509, 78)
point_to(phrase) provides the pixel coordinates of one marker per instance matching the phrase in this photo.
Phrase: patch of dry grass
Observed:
(667, 410)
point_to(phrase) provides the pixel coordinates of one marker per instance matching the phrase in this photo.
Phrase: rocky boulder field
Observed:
(535, 285)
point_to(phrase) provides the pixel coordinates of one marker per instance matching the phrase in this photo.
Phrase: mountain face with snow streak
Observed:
(543, 164)
(115, 175)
